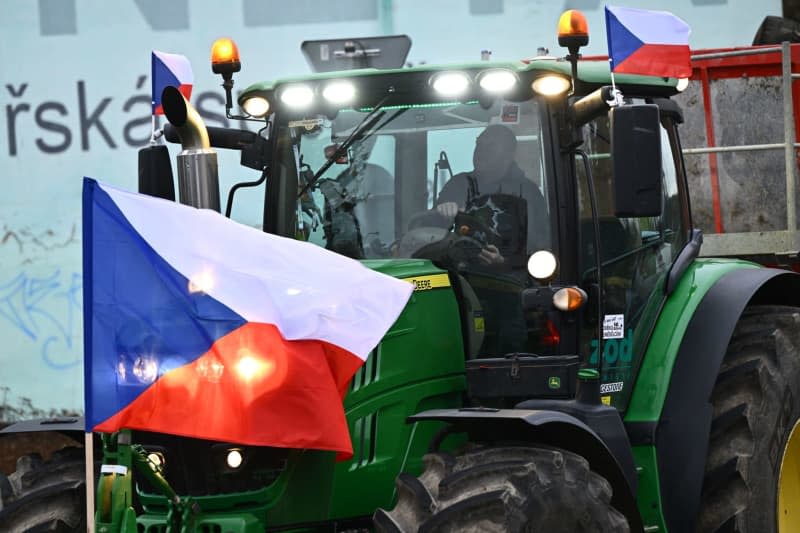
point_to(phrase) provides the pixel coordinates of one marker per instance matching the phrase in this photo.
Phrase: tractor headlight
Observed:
(256, 106)
(542, 265)
(234, 458)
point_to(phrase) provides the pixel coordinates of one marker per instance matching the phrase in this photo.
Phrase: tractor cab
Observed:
(503, 175)
(421, 165)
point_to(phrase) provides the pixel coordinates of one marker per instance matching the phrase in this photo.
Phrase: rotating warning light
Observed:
(225, 57)
(450, 83)
(497, 81)
(573, 30)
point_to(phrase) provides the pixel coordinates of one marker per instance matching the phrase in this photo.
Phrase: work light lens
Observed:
(339, 92)
(297, 96)
(450, 83)
(550, 85)
(256, 106)
(498, 81)
(542, 265)
(683, 83)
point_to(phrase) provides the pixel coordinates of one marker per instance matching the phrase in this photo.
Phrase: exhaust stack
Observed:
(198, 179)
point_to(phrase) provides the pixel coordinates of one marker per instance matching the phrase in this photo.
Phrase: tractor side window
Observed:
(635, 256)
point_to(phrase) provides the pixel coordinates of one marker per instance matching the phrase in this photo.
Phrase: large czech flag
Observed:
(653, 43)
(196, 325)
(169, 70)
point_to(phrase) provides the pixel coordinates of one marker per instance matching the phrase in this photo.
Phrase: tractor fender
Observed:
(681, 434)
(552, 428)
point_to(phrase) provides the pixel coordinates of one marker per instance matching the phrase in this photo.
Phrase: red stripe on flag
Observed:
(252, 387)
(669, 60)
(186, 90)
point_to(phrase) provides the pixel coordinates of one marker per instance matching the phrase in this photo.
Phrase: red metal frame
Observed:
(751, 65)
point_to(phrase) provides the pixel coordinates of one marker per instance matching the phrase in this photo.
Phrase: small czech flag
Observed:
(170, 70)
(652, 43)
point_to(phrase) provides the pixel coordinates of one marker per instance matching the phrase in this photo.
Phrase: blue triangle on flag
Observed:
(621, 42)
(140, 310)
(161, 78)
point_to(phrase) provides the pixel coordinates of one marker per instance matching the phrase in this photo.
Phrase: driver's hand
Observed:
(448, 209)
(491, 255)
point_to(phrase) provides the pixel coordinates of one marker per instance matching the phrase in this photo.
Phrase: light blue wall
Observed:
(74, 102)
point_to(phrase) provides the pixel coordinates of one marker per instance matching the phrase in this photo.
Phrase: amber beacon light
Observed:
(573, 30)
(225, 57)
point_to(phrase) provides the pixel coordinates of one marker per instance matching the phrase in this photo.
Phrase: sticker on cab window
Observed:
(614, 327)
(509, 114)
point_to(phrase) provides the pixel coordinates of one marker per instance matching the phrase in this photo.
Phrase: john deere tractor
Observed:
(567, 362)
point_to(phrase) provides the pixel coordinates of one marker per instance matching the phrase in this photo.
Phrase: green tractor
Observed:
(567, 361)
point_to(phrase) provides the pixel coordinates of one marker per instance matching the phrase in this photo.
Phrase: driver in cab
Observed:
(495, 176)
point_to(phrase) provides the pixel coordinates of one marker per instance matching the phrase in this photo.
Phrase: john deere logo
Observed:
(554, 382)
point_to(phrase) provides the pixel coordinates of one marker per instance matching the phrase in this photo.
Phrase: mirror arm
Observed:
(591, 106)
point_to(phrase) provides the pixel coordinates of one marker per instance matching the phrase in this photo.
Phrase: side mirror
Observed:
(155, 172)
(636, 160)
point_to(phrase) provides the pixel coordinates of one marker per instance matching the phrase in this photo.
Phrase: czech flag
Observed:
(198, 326)
(170, 70)
(653, 43)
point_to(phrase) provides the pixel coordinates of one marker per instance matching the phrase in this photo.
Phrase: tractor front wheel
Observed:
(45, 496)
(503, 489)
(752, 475)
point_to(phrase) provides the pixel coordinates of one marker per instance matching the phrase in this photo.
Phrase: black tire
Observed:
(775, 30)
(503, 489)
(756, 402)
(46, 496)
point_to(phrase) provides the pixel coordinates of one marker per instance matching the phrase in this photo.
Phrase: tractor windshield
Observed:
(404, 177)
(460, 184)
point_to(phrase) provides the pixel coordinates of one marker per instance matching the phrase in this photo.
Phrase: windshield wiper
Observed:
(366, 123)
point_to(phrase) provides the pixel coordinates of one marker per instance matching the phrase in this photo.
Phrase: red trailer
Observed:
(740, 150)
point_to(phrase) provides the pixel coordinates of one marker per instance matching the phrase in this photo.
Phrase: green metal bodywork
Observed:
(653, 379)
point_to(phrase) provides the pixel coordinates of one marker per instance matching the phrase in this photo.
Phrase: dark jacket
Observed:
(467, 191)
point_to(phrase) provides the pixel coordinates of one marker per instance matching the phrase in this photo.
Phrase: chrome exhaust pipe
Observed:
(198, 178)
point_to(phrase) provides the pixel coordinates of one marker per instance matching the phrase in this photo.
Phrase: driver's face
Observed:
(491, 157)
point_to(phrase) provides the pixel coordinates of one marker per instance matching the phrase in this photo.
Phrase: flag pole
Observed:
(89, 452)
(613, 82)
(152, 129)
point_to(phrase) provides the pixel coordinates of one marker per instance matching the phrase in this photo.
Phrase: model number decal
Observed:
(426, 283)
(608, 388)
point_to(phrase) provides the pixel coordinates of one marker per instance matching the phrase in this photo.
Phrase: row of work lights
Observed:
(449, 84)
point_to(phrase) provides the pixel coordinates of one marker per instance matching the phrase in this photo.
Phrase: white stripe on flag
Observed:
(306, 291)
(653, 27)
